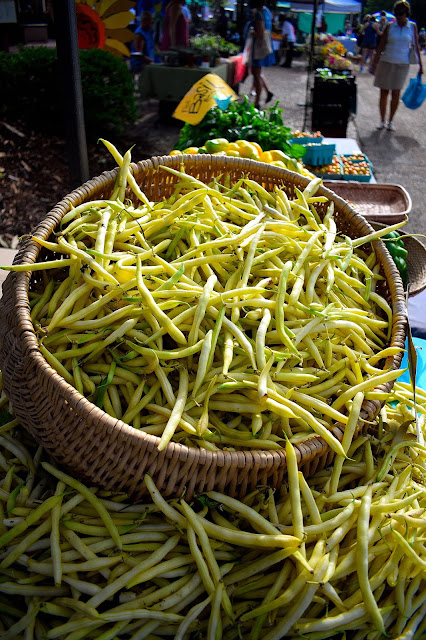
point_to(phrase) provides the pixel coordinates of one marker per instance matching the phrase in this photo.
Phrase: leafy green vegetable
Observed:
(242, 121)
(208, 502)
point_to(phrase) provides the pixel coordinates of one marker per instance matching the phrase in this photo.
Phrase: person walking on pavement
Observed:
(262, 25)
(392, 62)
(370, 32)
(288, 41)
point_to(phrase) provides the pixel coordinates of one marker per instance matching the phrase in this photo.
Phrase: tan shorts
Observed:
(390, 76)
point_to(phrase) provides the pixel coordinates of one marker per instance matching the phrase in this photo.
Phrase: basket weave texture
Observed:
(106, 452)
(386, 203)
(416, 262)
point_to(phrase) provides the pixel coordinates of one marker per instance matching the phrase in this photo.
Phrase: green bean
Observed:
(192, 615)
(203, 569)
(294, 490)
(286, 597)
(23, 623)
(47, 568)
(214, 630)
(13, 588)
(177, 411)
(296, 611)
(132, 182)
(33, 517)
(200, 310)
(38, 266)
(362, 561)
(378, 380)
(133, 573)
(347, 440)
(377, 234)
(279, 309)
(81, 549)
(244, 538)
(171, 328)
(89, 496)
(165, 508)
(55, 537)
(260, 339)
(282, 409)
(68, 248)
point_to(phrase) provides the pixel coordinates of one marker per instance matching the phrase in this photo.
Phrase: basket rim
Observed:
(377, 187)
(29, 251)
(417, 284)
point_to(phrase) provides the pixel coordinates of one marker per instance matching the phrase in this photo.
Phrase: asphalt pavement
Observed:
(398, 157)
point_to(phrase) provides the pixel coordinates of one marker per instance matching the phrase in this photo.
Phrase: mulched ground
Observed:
(34, 173)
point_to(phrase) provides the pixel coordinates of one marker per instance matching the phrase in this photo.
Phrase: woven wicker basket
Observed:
(385, 203)
(105, 451)
(416, 262)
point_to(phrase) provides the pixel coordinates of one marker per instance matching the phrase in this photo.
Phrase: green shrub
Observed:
(31, 90)
(108, 91)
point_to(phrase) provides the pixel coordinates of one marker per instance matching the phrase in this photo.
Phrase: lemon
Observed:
(247, 150)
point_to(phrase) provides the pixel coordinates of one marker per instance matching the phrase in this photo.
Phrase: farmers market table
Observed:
(346, 146)
(170, 83)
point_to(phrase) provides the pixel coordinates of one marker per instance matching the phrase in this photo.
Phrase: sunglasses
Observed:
(400, 13)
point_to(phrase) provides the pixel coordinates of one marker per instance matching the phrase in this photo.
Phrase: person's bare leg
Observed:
(269, 94)
(394, 103)
(363, 57)
(263, 83)
(382, 103)
(257, 84)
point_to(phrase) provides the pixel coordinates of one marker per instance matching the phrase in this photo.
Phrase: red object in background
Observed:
(239, 69)
(90, 28)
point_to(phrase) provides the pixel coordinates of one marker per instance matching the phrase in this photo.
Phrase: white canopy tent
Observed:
(329, 6)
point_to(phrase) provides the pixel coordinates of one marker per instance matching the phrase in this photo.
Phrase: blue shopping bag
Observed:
(415, 93)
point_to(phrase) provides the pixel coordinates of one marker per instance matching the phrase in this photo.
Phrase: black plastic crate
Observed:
(332, 121)
(331, 91)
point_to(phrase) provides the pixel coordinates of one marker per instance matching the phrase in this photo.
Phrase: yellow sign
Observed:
(201, 98)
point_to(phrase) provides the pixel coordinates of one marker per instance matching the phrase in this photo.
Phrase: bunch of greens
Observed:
(242, 121)
(210, 44)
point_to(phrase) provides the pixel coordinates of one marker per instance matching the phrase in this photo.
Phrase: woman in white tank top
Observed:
(392, 61)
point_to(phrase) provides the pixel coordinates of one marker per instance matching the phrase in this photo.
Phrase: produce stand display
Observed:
(169, 84)
(308, 522)
(214, 567)
(333, 99)
(70, 416)
(356, 168)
